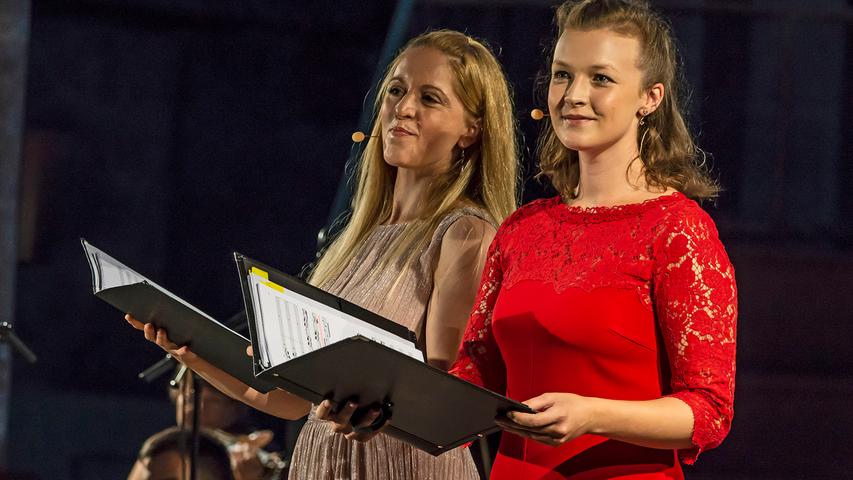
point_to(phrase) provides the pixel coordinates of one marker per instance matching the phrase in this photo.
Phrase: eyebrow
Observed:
(600, 66)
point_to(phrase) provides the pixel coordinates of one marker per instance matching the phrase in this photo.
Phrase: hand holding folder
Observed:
(321, 347)
(354, 422)
(161, 338)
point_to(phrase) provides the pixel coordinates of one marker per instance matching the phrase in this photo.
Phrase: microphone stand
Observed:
(184, 375)
(158, 369)
(8, 336)
(196, 389)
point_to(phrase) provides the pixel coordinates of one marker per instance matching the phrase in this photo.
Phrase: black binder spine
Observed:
(243, 270)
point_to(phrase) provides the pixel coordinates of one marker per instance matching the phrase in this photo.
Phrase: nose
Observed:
(405, 107)
(577, 93)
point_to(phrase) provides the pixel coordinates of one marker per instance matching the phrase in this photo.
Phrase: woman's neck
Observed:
(410, 190)
(613, 176)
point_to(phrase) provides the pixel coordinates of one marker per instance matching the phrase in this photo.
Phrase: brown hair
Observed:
(669, 155)
(487, 178)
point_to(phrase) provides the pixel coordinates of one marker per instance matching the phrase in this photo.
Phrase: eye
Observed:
(395, 90)
(601, 79)
(560, 75)
(430, 99)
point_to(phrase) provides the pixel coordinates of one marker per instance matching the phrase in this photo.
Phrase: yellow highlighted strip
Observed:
(257, 271)
(274, 286)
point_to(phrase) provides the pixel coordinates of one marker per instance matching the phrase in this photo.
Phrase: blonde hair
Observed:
(487, 177)
(669, 155)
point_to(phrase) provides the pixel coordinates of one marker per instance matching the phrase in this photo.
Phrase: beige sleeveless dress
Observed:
(321, 454)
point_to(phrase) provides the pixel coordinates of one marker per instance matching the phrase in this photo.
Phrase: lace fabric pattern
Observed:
(666, 250)
(696, 304)
(479, 360)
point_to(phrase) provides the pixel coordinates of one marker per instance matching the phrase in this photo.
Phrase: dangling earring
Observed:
(462, 155)
(643, 114)
(643, 139)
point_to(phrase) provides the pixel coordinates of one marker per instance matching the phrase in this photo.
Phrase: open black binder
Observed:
(187, 325)
(427, 407)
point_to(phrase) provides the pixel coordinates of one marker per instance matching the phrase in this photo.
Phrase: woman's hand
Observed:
(342, 420)
(159, 336)
(559, 418)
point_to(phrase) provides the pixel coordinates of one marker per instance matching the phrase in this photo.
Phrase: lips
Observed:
(576, 117)
(399, 131)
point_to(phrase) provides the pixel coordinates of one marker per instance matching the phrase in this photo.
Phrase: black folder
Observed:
(211, 340)
(427, 407)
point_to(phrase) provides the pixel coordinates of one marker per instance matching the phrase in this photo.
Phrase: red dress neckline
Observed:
(614, 212)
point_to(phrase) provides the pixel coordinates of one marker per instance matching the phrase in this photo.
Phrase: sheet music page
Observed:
(290, 325)
(107, 272)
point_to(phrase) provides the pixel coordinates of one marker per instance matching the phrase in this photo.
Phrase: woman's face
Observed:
(596, 89)
(422, 120)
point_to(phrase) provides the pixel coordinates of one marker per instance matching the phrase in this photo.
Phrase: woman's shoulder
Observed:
(459, 230)
(685, 213)
(684, 223)
(468, 212)
(467, 221)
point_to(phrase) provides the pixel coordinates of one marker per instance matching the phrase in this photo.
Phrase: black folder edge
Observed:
(224, 336)
(244, 265)
(423, 444)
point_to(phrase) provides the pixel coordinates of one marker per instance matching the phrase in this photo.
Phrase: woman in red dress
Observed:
(610, 309)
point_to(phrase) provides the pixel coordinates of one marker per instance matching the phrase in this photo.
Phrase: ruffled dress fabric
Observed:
(320, 453)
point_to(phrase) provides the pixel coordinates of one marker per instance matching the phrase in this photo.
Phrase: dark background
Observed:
(171, 133)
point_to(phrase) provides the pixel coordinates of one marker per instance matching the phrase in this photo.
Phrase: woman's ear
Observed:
(652, 98)
(471, 135)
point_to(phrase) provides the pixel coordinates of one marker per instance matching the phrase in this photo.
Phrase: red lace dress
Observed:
(632, 302)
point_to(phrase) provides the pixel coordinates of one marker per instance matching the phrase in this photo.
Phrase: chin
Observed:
(573, 143)
(398, 162)
(393, 156)
(395, 161)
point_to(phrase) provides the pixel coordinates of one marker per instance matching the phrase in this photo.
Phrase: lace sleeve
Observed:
(479, 360)
(695, 299)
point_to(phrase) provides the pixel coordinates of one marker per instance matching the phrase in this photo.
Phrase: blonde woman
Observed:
(438, 174)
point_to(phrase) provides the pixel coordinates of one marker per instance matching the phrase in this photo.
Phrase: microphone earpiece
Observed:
(537, 114)
(359, 137)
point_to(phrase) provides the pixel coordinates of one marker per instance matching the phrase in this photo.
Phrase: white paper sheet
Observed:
(290, 325)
